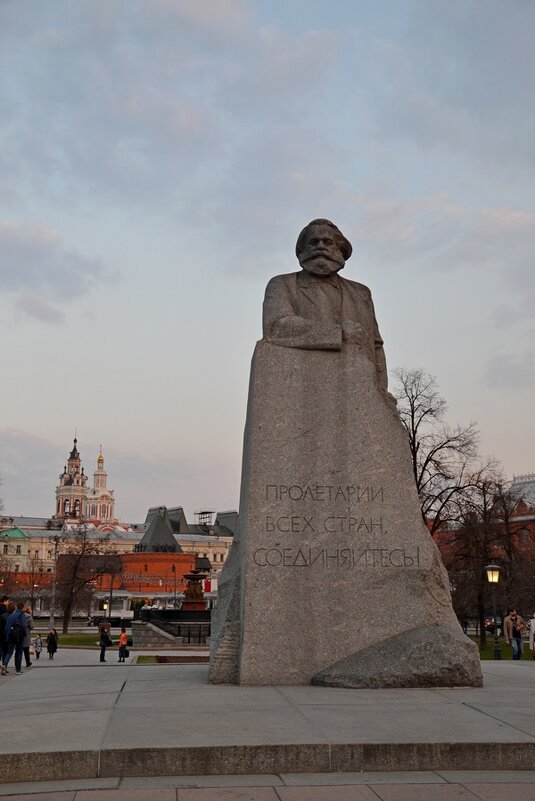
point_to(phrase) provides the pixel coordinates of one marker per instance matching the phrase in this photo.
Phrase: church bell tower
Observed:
(72, 489)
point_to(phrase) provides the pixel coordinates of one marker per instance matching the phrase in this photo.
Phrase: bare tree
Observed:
(486, 532)
(31, 581)
(443, 456)
(477, 540)
(85, 557)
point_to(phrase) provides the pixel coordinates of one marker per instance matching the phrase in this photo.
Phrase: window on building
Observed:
(76, 506)
(36, 554)
(6, 548)
(524, 536)
(17, 568)
(49, 554)
(49, 570)
(67, 506)
(18, 549)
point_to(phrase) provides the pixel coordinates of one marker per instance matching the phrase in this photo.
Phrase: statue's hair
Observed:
(344, 244)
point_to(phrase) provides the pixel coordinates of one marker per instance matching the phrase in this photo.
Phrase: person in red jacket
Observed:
(123, 642)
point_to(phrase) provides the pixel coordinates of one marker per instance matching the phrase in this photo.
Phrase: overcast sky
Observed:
(158, 159)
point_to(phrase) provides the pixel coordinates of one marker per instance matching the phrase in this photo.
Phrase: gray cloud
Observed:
(40, 272)
(459, 80)
(29, 460)
(446, 235)
(23, 461)
(152, 99)
(511, 370)
(40, 309)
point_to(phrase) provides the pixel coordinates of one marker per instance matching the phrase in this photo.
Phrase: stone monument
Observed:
(333, 577)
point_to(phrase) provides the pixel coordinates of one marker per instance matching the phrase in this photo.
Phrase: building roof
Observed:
(25, 522)
(226, 523)
(178, 520)
(523, 488)
(159, 536)
(14, 534)
(198, 538)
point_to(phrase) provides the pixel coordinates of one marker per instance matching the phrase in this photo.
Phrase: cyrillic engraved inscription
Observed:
(334, 557)
(324, 493)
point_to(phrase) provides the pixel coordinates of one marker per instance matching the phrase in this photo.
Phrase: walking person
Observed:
(37, 645)
(123, 643)
(105, 641)
(16, 627)
(28, 636)
(531, 632)
(52, 643)
(3, 617)
(513, 626)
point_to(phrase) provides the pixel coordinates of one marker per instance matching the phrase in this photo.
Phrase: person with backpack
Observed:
(3, 617)
(16, 628)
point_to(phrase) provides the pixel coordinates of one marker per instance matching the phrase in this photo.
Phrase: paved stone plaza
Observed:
(74, 727)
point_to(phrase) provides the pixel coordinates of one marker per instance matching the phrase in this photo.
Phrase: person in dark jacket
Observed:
(15, 631)
(52, 643)
(105, 641)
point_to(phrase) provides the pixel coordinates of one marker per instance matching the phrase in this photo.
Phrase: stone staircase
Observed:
(169, 636)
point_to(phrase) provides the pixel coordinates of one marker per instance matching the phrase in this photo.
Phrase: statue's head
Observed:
(322, 248)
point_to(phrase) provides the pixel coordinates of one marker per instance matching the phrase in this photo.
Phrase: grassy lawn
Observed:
(76, 640)
(89, 640)
(488, 652)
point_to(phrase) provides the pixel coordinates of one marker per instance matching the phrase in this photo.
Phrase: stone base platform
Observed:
(95, 721)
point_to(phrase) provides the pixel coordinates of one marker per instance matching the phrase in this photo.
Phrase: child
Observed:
(37, 645)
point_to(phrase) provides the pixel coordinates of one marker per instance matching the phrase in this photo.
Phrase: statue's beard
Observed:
(321, 265)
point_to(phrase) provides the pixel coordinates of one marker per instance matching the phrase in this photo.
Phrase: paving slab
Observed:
(80, 722)
(339, 793)
(60, 796)
(160, 794)
(30, 788)
(364, 777)
(486, 776)
(419, 792)
(377, 787)
(259, 780)
(502, 792)
(229, 794)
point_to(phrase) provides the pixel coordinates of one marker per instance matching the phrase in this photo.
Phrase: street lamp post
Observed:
(493, 577)
(173, 569)
(51, 621)
(111, 593)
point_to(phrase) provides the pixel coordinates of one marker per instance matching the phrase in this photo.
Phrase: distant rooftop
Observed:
(159, 536)
(523, 486)
(14, 533)
(225, 525)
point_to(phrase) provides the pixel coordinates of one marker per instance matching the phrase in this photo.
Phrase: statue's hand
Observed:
(351, 331)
